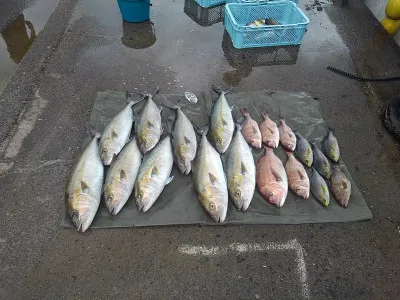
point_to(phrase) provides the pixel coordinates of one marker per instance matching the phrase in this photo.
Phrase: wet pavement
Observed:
(19, 32)
(86, 47)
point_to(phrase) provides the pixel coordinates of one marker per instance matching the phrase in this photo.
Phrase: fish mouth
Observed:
(140, 207)
(256, 144)
(114, 210)
(290, 147)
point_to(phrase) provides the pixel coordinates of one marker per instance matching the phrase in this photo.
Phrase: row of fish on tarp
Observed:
(142, 165)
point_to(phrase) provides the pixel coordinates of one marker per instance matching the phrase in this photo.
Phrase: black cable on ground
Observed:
(352, 76)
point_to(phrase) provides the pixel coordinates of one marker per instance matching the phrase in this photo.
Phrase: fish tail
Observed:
(94, 133)
(281, 117)
(245, 112)
(179, 103)
(268, 149)
(239, 125)
(202, 130)
(219, 90)
(131, 101)
(264, 113)
(287, 152)
(170, 122)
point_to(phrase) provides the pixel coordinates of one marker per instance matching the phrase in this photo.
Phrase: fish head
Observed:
(221, 138)
(242, 195)
(145, 196)
(146, 141)
(108, 152)
(113, 195)
(184, 163)
(256, 143)
(212, 205)
(303, 191)
(79, 211)
(275, 195)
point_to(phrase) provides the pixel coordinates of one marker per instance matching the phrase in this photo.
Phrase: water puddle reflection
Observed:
(18, 36)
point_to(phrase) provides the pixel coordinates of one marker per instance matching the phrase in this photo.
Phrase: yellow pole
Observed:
(392, 20)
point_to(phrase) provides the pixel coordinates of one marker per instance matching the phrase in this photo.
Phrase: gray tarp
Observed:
(178, 203)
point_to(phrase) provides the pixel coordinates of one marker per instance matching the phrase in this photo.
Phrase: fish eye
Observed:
(237, 193)
(104, 151)
(111, 197)
(219, 140)
(140, 194)
(212, 206)
(183, 159)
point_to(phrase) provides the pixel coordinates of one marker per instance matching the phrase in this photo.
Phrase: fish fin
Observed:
(154, 171)
(213, 179)
(243, 168)
(149, 124)
(114, 135)
(232, 107)
(84, 186)
(270, 130)
(301, 175)
(169, 179)
(224, 123)
(344, 185)
(254, 129)
(123, 175)
(276, 175)
(187, 141)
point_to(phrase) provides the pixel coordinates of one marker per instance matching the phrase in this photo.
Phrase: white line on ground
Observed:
(25, 126)
(291, 245)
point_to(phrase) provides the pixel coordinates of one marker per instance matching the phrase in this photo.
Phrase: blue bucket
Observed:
(134, 11)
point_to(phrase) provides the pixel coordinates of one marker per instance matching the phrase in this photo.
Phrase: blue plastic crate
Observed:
(293, 24)
(254, 1)
(209, 3)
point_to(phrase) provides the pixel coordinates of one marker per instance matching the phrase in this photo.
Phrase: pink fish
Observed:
(250, 130)
(269, 132)
(286, 135)
(272, 182)
(297, 176)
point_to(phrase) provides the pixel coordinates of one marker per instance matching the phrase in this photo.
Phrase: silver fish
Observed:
(330, 146)
(121, 177)
(222, 125)
(320, 162)
(83, 189)
(209, 180)
(319, 188)
(148, 126)
(184, 141)
(154, 174)
(240, 171)
(303, 149)
(116, 134)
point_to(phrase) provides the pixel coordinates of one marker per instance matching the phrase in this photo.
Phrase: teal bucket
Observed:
(134, 11)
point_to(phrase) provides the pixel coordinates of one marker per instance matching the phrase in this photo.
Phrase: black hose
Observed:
(352, 76)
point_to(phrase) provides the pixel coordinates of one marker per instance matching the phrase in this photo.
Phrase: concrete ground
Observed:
(44, 110)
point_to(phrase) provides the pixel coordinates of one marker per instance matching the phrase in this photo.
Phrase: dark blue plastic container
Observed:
(134, 11)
